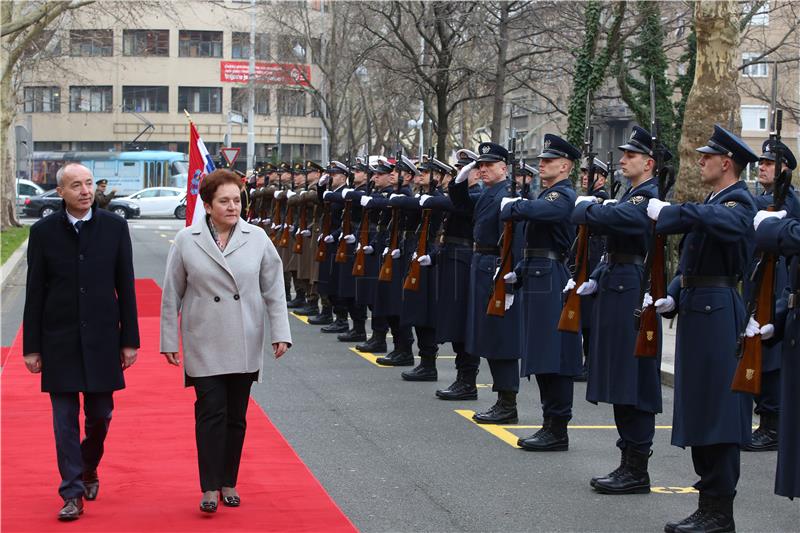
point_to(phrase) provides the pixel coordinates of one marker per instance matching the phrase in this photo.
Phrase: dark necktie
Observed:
(78, 225)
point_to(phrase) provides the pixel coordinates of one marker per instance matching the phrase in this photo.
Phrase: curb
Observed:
(13, 261)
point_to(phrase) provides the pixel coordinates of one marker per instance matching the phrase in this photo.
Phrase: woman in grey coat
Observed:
(223, 286)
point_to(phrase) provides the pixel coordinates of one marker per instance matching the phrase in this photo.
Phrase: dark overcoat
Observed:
(389, 294)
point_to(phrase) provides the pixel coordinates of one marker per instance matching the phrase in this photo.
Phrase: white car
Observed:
(158, 201)
(26, 189)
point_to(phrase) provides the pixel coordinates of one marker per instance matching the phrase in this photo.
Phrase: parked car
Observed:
(180, 211)
(50, 202)
(157, 201)
(25, 190)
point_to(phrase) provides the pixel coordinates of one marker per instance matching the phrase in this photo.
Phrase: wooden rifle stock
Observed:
(412, 278)
(322, 246)
(276, 217)
(283, 242)
(341, 249)
(363, 241)
(298, 238)
(497, 303)
(570, 320)
(388, 260)
(647, 336)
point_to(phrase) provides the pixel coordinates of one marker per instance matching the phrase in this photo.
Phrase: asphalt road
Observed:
(395, 458)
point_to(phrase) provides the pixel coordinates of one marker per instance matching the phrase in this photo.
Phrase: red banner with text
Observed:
(269, 73)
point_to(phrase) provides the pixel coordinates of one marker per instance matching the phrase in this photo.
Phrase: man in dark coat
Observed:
(80, 329)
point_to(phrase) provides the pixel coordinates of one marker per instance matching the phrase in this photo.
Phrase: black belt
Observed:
(456, 240)
(688, 282)
(487, 250)
(626, 259)
(543, 253)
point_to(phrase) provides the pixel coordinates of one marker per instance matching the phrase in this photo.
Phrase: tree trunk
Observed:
(500, 76)
(8, 212)
(714, 95)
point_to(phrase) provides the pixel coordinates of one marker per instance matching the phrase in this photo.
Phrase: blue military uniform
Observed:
(707, 415)
(328, 284)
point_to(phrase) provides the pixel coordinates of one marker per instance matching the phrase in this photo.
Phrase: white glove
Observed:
(654, 207)
(267, 221)
(505, 201)
(350, 239)
(289, 194)
(276, 226)
(385, 251)
(511, 277)
(424, 198)
(665, 305)
(587, 288)
(395, 253)
(509, 301)
(395, 195)
(569, 286)
(647, 301)
(365, 200)
(280, 194)
(291, 228)
(368, 249)
(761, 216)
(754, 328)
(463, 174)
(324, 179)
(581, 199)
(328, 238)
(424, 260)
(611, 201)
(326, 194)
(306, 233)
(767, 331)
(345, 191)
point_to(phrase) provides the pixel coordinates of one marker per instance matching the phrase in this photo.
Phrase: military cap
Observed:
(723, 142)
(270, 167)
(599, 166)
(103, 181)
(299, 168)
(382, 166)
(641, 141)
(436, 166)
(283, 166)
(769, 153)
(313, 166)
(464, 157)
(555, 147)
(360, 165)
(407, 165)
(335, 167)
(491, 153)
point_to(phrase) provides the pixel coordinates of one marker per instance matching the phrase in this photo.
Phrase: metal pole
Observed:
(323, 107)
(251, 113)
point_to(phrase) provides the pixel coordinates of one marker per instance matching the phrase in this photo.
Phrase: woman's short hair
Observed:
(215, 179)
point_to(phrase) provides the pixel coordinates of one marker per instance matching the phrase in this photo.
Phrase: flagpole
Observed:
(188, 116)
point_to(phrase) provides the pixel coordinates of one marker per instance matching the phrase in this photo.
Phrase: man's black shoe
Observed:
(765, 437)
(633, 478)
(375, 344)
(311, 309)
(352, 336)
(339, 326)
(322, 318)
(551, 438)
(614, 473)
(396, 358)
(713, 515)
(458, 391)
(504, 411)
(91, 485)
(296, 303)
(421, 373)
(72, 509)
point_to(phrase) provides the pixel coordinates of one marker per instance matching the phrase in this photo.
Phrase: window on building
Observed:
(761, 18)
(200, 43)
(145, 43)
(756, 70)
(240, 46)
(145, 99)
(240, 101)
(90, 99)
(42, 99)
(755, 117)
(91, 43)
(291, 50)
(291, 103)
(200, 99)
(46, 44)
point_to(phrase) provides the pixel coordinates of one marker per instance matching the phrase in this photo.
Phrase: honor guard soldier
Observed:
(308, 267)
(267, 199)
(494, 337)
(631, 384)
(451, 263)
(281, 196)
(714, 421)
(383, 180)
(293, 206)
(765, 437)
(554, 357)
(419, 308)
(778, 235)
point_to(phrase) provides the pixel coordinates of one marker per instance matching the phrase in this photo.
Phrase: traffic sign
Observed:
(230, 154)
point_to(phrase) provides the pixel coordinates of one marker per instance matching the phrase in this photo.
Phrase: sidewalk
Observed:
(668, 330)
(13, 261)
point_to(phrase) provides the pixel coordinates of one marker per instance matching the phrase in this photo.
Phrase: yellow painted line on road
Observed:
(301, 318)
(371, 357)
(493, 429)
(674, 490)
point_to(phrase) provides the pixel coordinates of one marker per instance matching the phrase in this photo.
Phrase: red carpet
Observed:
(148, 477)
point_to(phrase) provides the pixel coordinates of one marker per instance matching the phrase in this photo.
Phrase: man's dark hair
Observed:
(215, 179)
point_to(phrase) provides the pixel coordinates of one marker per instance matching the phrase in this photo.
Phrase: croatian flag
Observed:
(200, 164)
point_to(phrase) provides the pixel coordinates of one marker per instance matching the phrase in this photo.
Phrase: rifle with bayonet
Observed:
(322, 246)
(412, 281)
(283, 242)
(497, 301)
(655, 276)
(570, 320)
(388, 260)
(303, 222)
(341, 249)
(277, 211)
(363, 230)
(761, 305)
(613, 183)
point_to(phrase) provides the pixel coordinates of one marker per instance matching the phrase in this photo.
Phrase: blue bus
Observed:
(127, 172)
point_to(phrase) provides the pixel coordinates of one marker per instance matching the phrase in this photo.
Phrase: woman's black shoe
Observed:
(231, 501)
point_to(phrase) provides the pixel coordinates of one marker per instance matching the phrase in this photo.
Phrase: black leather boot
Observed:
(425, 371)
(298, 301)
(765, 437)
(632, 479)
(463, 388)
(713, 515)
(504, 411)
(325, 317)
(397, 357)
(551, 438)
(614, 473)
(357, 334)
(375, 344)
(310, 309)
(340, 325)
